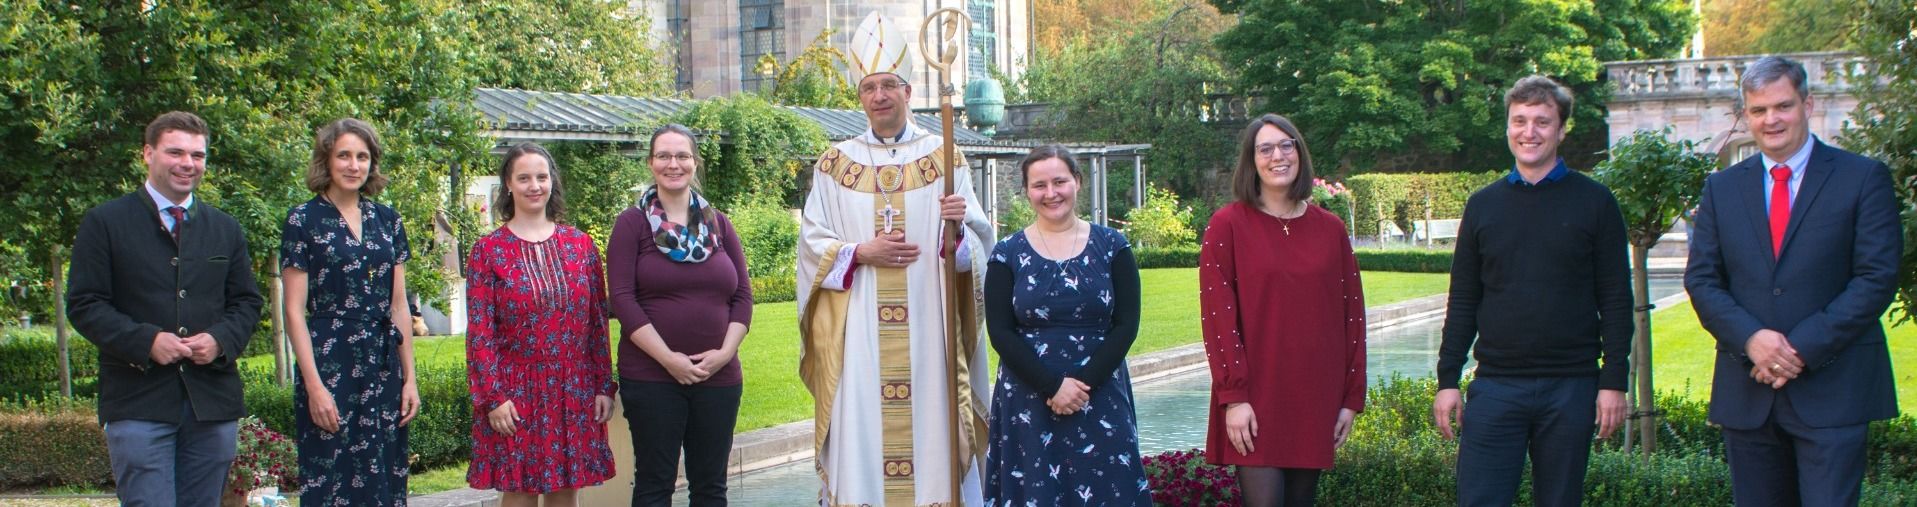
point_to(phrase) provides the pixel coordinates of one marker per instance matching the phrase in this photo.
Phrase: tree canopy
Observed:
(80, 80)
(1419, 85)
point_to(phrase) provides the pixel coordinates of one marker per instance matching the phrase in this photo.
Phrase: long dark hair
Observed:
(555, 198)
(1245, 184)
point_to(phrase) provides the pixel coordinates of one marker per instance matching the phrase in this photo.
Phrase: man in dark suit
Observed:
(162, 284)
(1793, 261)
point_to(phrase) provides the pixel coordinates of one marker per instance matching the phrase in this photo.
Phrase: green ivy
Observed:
(765, 148)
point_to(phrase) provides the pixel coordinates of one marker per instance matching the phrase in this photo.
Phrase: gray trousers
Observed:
(171, 465)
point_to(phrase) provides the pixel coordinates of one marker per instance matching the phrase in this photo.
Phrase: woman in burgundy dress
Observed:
(536, 344)
(680, 290)
(1278, 289)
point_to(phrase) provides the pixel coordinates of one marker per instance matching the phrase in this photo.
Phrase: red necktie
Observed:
(1780, 207)
(179, 219)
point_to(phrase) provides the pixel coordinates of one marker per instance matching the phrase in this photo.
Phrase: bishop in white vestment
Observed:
(872, 305)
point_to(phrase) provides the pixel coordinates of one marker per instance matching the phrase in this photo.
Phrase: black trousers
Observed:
(666, 417)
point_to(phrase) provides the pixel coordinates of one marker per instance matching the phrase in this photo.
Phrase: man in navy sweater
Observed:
(1539, 282)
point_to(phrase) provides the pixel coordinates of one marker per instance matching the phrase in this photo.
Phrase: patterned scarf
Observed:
(690, 243)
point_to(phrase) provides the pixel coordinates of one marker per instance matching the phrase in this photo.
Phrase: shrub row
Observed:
(1404, 260)
(57, 441)
(1377, 197)
(1395, 457)
(440, 435)
(30, 363)
(52, 442)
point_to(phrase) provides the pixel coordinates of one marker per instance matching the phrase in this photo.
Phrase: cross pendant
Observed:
(887, 214)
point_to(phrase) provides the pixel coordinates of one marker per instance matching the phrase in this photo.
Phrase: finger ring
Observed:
(898, 260)
(1775, 366)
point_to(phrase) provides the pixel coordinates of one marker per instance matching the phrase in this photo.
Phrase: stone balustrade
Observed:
(1828, 72)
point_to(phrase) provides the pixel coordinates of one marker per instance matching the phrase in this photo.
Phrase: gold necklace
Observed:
(1044, 237)
(1286, 222)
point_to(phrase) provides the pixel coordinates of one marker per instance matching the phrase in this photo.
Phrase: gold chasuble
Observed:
(873, 352)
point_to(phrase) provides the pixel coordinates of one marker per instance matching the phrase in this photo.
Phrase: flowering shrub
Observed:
(264, 458)
(1183, 478)
(1333, 197)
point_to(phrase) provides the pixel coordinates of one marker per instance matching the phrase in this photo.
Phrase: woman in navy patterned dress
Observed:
(1061, 302)
(341, 258)
(538, 353)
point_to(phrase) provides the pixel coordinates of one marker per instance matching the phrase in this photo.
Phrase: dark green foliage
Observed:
(1182, 256)
(1886, 119)
(763, 153)
(30, 367)
(1421, 84)
(770, 235)
(1404, 260)
(1655, 180)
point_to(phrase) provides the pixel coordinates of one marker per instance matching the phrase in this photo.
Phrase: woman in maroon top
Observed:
(1278, 289)
(680, 291)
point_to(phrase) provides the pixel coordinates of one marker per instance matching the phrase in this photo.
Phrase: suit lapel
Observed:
(1816, 171)
(1748, 178)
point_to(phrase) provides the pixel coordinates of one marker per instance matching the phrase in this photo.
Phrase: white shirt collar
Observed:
(161, 203)
(1798, 159)
(910, 133)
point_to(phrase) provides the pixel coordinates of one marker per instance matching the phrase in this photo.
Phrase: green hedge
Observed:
(1169, 257)
(1404, 260)
(30, 363)
(1395, 457)
(1375, 197)
(55, 442)
(440, 435)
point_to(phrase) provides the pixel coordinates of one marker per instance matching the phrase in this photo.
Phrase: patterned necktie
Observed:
(1780, 207)
(179, 219)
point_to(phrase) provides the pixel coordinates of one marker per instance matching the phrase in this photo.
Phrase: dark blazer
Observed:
(1825, 293)
(129, 281)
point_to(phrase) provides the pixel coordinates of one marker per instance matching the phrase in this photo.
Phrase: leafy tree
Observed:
(79, 81)
(1170, 73)
(814, 78)
(1419, 85)
(582, 46)
(1656, 180)
(1747, 27)
(1886, 119)
(1162, 222)
(1060, 23)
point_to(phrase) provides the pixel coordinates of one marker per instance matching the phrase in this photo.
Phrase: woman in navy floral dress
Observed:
(1061, 302)
(341, 258)
(538, 353)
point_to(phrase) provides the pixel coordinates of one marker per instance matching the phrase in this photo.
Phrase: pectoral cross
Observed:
(887, 214)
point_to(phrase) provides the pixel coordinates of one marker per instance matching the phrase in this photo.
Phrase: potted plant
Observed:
(263, 459)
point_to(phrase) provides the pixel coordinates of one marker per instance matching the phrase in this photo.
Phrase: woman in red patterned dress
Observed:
(537, 351)
(1283, 315)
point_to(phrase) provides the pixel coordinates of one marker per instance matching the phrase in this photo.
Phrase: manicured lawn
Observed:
(1683, 355)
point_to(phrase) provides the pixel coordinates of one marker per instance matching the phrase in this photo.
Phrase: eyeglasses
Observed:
(1268, 150)
(888, 85)
(671, 157)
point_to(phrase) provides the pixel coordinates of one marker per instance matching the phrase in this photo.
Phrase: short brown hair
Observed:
(174, 120)
(555, 198)
(1245, 184)
(1048, 152)
(1537, 89)
(319, 171)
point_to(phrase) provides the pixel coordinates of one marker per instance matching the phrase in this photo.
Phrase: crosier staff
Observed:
(954, 23)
